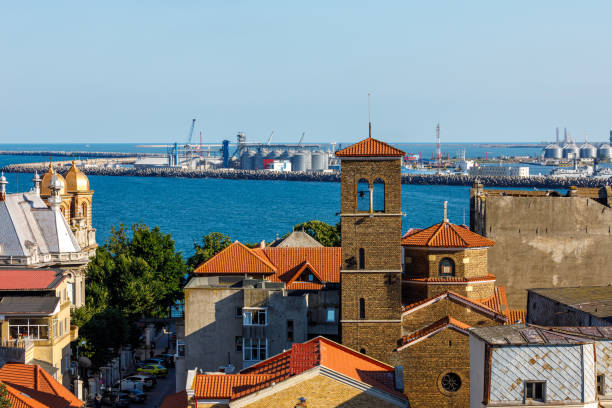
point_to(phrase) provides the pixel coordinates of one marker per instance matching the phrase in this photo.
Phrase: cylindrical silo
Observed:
(259, 158)
(588, 151)
(246, 160)
(604, 151)
(571, 151)
(319, 161)
(298, 162)
(552, 151)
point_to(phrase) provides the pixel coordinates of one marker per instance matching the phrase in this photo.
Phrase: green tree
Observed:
(326, 234)
(212, 244)
(5, 402)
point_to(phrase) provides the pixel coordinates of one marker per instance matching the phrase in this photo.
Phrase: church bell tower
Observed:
(371, 247)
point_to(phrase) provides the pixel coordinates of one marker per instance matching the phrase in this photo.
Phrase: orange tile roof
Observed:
(20, 400)
(370, 147)
(32, 380)
(281, 264)
(446, 235)
(236, 259)
(457, 298)
(516, 316)
(498, 301)
(302, 357)
(451, 279)
(178, 400)
(445, 322)
(23, 279)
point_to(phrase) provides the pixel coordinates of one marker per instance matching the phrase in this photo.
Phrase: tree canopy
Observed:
(5, 402)
(326, 234)
(211, 245)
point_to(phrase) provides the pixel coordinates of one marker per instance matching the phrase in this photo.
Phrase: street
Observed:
(164, 387)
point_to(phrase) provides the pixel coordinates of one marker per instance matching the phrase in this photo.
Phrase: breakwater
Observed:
(62, 153)
(542, 182)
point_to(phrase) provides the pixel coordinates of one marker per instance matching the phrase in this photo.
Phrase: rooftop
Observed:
(297, 239)
(527, 334)
(595, 300)
(29, 279)
(28, 305)
(445, 235)
(370, 147)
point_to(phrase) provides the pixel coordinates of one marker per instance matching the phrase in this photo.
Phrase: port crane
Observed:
(191, 131)
(301, 139)
(270, 137)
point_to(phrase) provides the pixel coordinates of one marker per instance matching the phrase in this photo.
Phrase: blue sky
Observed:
(138, 71)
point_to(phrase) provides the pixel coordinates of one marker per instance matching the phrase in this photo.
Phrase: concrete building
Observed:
(562, 240)
(317, 373)
(35, 320)
(575, 306)
(28, 386)
(249, 304)
(533, 365)
(499, 171)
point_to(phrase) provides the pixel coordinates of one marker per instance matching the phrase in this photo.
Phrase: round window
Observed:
(451, 382)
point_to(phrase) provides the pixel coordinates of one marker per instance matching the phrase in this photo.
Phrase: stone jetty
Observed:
(58, 153)
(540, 182)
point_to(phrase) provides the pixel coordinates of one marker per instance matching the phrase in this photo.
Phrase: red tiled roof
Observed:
(498, 301)
(445, 322)
(21, 279)
(20, 400)
(446, 235)
(458, 298)
(39, 385)
(178, 400)
(516, 316)
(302, 357)
(281, 264)
(452, 279)
(370, 148)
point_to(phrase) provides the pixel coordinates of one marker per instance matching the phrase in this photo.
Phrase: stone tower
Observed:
(371, 249)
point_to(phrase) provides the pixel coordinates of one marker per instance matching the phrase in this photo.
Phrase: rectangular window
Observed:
(289, 330)
(55, 327)
(535, 391)
(238, 313)
(331, 315)
(254, 317)
(254, 349)
(34, 329)
(601, 384)
(239, 343)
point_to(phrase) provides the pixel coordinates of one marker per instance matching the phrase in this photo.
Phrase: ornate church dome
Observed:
(76, 180)
(46, 182)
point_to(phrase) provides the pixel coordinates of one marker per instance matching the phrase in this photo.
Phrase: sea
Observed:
(246, 210)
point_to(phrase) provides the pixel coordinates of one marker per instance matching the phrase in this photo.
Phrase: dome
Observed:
(76, 180)
(46, 182)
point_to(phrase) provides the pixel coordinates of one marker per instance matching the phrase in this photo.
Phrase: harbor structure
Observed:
(499, 171)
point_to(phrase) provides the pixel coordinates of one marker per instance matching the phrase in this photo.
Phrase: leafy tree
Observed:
(326, 234)
(5, 402)
(212, 244)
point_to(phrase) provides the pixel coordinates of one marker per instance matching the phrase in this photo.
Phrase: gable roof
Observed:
(278, 264)
(527, 334)
(445, 235)
(370, 147)
(29, 279)
(300, 358)
(21, 400)
(39, 385)
(298, 239)
(432, 329)
(474, 304)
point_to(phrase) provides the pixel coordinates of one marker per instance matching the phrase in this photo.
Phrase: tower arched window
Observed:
(446, 267)
(378, 193)
(361, 258)
(362, 308)
(84, 210)
(363, 195)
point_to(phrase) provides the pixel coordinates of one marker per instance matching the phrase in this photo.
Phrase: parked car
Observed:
(114, 399)
(147, 381)
(136, 395)
(154, 369)
(168, 358)
(158, 360)
(128, 385)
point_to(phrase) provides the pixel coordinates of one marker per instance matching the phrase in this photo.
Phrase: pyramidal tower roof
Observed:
(370, 147)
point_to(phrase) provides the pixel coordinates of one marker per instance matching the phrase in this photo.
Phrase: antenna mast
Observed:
(369, 117)
(438, 152)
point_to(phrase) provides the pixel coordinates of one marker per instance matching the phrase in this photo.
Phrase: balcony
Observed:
(17, 350)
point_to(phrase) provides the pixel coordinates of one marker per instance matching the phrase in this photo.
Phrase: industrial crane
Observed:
(270, 138)
(301, 139)
(191, 131)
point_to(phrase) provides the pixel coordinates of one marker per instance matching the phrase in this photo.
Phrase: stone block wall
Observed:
(470, 263)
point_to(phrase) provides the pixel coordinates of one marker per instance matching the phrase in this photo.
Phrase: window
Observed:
(447, 267)
(61, 328)
(254, 317)
(35, 329)
(601, 384)
(361, 258)
(84, 210)
(362, 351)
(535, 390)
(289, 330)
(70, 290)
(363, 195)
(238, 343)
(238, 313)
(254, 349)
(378, 195)
(331, 315)
(362, 308)
(66, 328)
(55, 327)
(451, 382)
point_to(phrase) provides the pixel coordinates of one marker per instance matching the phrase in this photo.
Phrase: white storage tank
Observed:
(571, 151)
(298, 162)
(552, 151)
(588, 151)
(604, 151)
(319, 161)
(246, 160)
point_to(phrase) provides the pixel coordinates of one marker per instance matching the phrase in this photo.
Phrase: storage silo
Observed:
(246, 160)
(259, 158)
(552, 151)
(588, 151)
(298, 161)
(604, 151)
(319, 161)
(571, 151)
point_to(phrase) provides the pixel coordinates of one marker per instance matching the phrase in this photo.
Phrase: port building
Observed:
(499, 171)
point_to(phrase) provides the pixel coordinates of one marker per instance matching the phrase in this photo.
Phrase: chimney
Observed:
(262, 244)
(37, 182)
(3, 184)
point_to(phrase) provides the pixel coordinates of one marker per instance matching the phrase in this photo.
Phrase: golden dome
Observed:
(46, 182)
(76, 180)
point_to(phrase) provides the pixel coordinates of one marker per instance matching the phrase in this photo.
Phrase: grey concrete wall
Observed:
(547, 312)
(544, 242)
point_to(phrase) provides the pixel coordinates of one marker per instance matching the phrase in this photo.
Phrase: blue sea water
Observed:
(246, 210)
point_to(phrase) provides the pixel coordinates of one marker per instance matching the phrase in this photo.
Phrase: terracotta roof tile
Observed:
(302, 357)
(20, 400)
(452, 279)
(21, 279)
(516, 316)
(446, 235)
(457, 298)
(236, 259)
(178, 400)
(441, 324)
(39, 385)
(370, 148)
(498, 301)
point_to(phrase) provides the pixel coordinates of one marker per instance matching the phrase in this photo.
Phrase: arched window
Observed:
(378, 193)
(84, 210)
(447, 267)
(362, 308)
(363, 195)
(361, 258)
